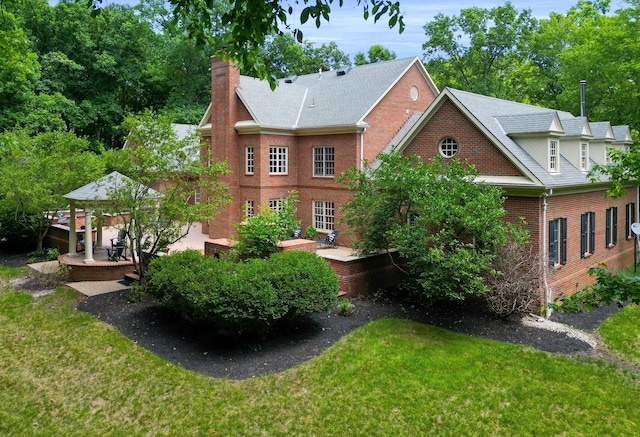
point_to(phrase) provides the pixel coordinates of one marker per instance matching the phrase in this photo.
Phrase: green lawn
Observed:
(622, 333)
(63, 372)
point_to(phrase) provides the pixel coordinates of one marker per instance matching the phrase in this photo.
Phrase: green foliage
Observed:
(311, 232)
(610, 286)
(259, 235)
(480, 50)
(249, 294)
(50, 165)
(345, 307)
(444, 225)
(284, 56)
(377, 53)
(246, 24)
(156, 156)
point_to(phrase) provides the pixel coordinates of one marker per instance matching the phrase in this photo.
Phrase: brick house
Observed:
(540, 157)
(306, 131)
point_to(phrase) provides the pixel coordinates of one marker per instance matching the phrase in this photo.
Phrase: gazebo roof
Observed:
(98, 191)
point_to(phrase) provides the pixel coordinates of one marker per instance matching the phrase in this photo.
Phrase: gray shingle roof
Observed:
(321, 100)
(600, 129)
(98, 191)
(528, 123)
(500, 117)
(622, 134)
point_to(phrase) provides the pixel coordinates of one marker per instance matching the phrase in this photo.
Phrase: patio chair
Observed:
(62, 218)
(296, 234)
(330, 241)
(118, 248)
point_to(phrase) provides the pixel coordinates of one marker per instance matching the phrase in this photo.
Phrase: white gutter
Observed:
(545, 261)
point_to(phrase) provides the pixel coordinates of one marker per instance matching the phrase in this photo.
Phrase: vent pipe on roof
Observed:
(583, 98)
(290, 79)
(343, 71)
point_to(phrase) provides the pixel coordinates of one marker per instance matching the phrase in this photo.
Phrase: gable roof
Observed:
(325, 99)
(504, 121)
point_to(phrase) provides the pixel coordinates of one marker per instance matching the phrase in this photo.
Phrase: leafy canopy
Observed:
(444, 224)
(157, 157)
(239, 28)
(35, 173)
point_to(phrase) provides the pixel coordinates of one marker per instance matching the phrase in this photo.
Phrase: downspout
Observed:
(362, 148)
(545, 261)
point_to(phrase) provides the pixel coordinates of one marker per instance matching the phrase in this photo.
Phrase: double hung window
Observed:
(558, 241)
(323, 215)
(587, 233)
(278, 160)
(324, 161)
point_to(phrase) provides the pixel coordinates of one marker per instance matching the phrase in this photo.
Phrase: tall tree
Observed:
(604, 52)
(159, 158)
(377, 53)
(246, 24)
(19, 70)
(35, 172)
(284, 56)
(445, 226)
(478, 49)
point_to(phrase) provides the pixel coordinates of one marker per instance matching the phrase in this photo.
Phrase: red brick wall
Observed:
(473, 145)
(392, 112)
(573, 276)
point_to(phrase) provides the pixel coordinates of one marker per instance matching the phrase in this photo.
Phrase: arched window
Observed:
(448, 147)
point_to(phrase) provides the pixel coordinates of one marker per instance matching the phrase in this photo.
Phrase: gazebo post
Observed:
(99, 218)
(73, 240)
(88, 240)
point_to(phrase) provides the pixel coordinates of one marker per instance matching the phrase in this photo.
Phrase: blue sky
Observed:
(353, 34)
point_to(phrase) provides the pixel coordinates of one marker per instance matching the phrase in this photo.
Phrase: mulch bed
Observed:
(218, 354)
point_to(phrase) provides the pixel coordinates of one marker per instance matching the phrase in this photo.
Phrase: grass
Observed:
(63, 372)
(622, 333)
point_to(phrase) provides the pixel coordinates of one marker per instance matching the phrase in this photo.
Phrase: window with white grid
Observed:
(324, 215)
(275, 204)
(196, 196)
(323, 161)
(448, 147)
(584, 156)
(249, 160)
(278, 160)
(249, 208)
(553, 156)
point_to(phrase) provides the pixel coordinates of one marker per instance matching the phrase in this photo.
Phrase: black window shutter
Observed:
(607, 234)
(627, 220)
(615, 225)
(583, 234)
(552, 242)
(563, 231)
(592, 240)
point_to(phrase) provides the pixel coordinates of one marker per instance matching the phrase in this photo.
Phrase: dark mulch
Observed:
(212, 353)
(207, 351)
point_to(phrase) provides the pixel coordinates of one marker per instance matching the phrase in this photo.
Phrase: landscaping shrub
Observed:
(246, 295)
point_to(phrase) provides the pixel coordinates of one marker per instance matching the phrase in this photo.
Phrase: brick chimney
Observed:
(225, 78)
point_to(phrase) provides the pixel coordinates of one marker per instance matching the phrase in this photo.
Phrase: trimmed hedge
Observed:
(246, 294)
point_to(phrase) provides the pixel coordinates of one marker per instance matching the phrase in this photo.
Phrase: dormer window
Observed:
(553, 157)
(584, 156)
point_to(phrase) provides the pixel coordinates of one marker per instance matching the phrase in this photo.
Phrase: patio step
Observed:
(132, 277)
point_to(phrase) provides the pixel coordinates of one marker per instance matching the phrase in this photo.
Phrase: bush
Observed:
(513, 285)
(244, 295)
